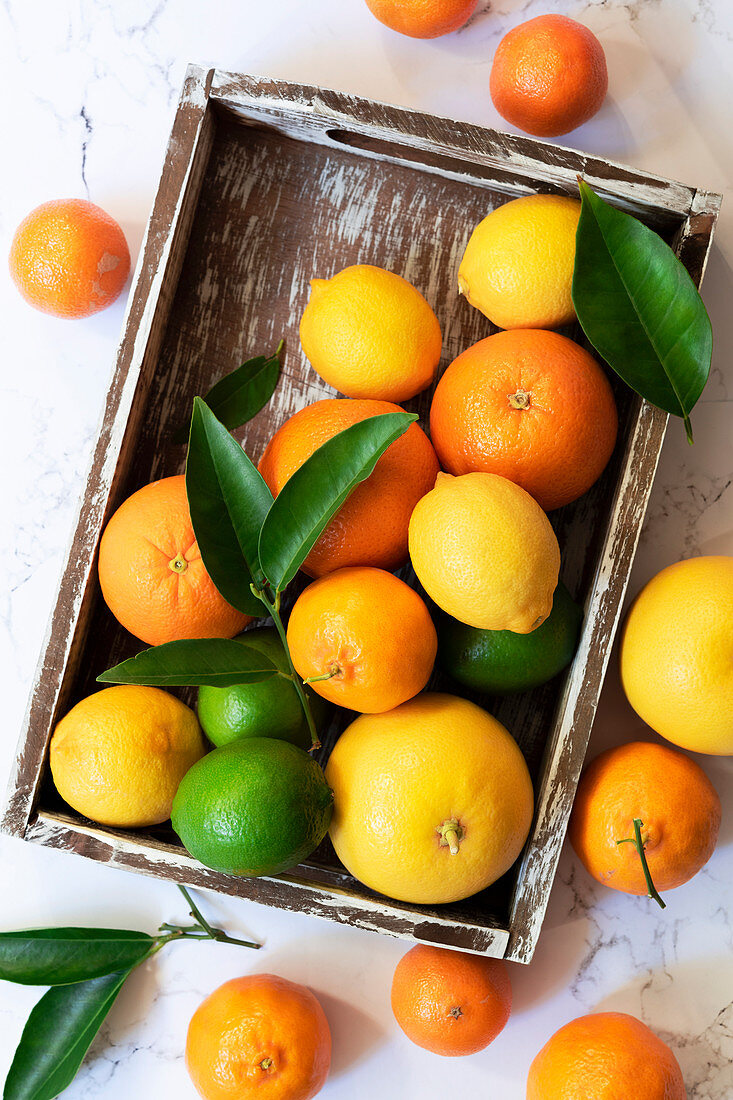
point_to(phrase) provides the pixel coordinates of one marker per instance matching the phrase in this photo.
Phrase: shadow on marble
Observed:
(355, 1033)
(717, 292)
(681, 1004)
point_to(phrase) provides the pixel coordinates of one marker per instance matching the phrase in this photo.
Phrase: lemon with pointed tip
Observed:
(518, 265)
(371, 334)
(485, 552)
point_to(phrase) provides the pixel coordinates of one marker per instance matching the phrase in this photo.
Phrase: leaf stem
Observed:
(638, 843)
(273, 606)
(210, 933)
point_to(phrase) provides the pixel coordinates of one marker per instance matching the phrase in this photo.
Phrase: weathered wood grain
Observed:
(266, 185)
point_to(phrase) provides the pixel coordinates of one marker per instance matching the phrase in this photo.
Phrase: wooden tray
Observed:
(266, 184)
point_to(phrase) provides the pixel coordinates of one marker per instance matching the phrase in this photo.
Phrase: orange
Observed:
(371, 526)
(69, 258)
(423, 18)
(370, 333)
(119, 755)
(363, 639)
(531, 406)
(151, 573)
(549, 75)
(605, 1056)
(671, 795)
(450, 1002)
(259, 1036)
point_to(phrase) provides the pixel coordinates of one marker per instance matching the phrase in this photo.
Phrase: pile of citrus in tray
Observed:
(426, 796)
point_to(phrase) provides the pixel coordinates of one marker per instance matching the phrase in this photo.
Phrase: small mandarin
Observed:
(605, 1056)
(530, 405)
(450, 1002)
(669, 793)
(423, 18)
(549, 75)
(151, 573)
(363, 639)
(261, 1037)
(370, 528)
(69, 258)
(370, 334)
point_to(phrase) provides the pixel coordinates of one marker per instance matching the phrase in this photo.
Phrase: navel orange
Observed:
(549, 75)
(151, 573)
(531, 406)
(371, 526)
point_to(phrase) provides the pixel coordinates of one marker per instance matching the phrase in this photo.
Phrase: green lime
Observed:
(255, 807)
(271, 708)
(499, 662)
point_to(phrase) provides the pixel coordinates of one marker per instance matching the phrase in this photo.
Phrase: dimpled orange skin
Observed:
(669, 792)
(69, 258)
(371, 526)
(549, 76)
(605, 1056)
(151, 573)
(253, 1020)
(373, 629)
(450, 1002)
(531, 406)
(423, 18)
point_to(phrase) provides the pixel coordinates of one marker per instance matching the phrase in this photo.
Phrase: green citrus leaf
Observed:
(228, 500)
(316, 491)
(59, 956)
(58, 1034)
(639, 307)
(239, 396)
(192, 662)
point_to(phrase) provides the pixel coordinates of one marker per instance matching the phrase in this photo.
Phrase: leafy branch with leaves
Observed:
(253, 545)
(86, 969)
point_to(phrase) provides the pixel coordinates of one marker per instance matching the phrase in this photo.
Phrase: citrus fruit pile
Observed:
(427, 796)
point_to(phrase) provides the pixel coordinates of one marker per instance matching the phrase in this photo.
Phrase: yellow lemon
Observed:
(677, 654)
(432, 800)
(119, 755)
(518, 265)
(485, 552)
(370, 333)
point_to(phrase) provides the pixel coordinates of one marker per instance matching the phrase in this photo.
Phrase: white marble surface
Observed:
(89, 91)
